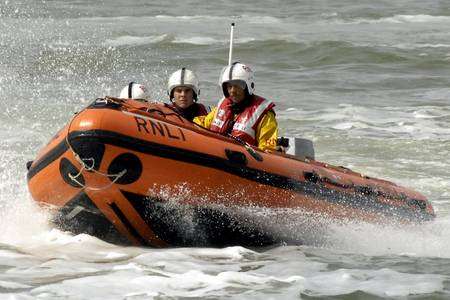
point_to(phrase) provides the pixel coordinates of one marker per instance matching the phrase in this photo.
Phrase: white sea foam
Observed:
(136, 40)
(13, 285)
(422, 240)
(193, 283)
(284, 270)
(424, 123)
(416, 19)
(383, 283)
(252, 19)
(210, 41)
(410, 46)
(260, 19)
(398, 19)
(16, 209)
(190, 18)
(350, 125)
(197, 41)
(171, 19)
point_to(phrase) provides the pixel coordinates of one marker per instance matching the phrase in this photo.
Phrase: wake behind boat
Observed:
(133, 172)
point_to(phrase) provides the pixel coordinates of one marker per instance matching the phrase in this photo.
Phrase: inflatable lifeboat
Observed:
(137, 173)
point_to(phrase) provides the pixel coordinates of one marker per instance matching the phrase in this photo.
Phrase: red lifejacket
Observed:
(191, 112)
(246, 122)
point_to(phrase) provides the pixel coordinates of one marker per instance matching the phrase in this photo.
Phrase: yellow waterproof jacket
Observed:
(266, 131)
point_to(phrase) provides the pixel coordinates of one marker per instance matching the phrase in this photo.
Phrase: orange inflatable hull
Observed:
(130, 172)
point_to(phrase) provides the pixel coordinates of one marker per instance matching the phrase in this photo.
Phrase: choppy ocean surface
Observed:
(367, 81)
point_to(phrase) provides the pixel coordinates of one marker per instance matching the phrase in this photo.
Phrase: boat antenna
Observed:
(249, 149)
(230, 54)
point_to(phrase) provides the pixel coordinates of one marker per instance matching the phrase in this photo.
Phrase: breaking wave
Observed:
(400, 19)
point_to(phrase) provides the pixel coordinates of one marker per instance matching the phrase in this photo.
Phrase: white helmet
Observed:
(238, 71)
(134, 91)
(183, 77)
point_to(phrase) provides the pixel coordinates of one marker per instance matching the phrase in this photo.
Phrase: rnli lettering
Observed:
(141, 123)
(157, 128)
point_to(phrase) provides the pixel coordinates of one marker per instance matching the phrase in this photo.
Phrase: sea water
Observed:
(367, 81)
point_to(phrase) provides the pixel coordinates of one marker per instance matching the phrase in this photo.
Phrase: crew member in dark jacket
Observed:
(183, 90)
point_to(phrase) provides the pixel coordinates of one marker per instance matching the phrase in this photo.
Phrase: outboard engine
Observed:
(302, 148)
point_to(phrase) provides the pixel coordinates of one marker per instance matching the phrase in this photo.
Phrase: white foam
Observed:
(55, 244)
(428, 122)
(115, 255)
(251, 19)
(411, 46)
(400, 19)
(383, 283)
(287, 271)
(15, 224)
(193, 283)
(13, 285)
(190, 18)
(350, 125)
(197, 41)
(136, 40)
(424, 240)
(207, 19)
(230, 253)
(260, 19)
(329, 15)
(130, 266)
(416, 19)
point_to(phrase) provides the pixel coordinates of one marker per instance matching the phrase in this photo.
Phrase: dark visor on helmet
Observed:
(239, 83)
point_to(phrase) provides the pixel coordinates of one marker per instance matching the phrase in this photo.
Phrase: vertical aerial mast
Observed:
(230, 54)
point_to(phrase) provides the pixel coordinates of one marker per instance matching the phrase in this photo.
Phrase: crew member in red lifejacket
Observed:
(134, 90)
(242, 113)
(183, 90)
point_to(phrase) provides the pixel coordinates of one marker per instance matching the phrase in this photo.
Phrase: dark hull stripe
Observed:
(48, 158)
(127, 224)
(206, 227)
(365, 202)
(89, 220)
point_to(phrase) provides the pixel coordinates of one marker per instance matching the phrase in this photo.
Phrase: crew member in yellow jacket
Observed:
(241, 113)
